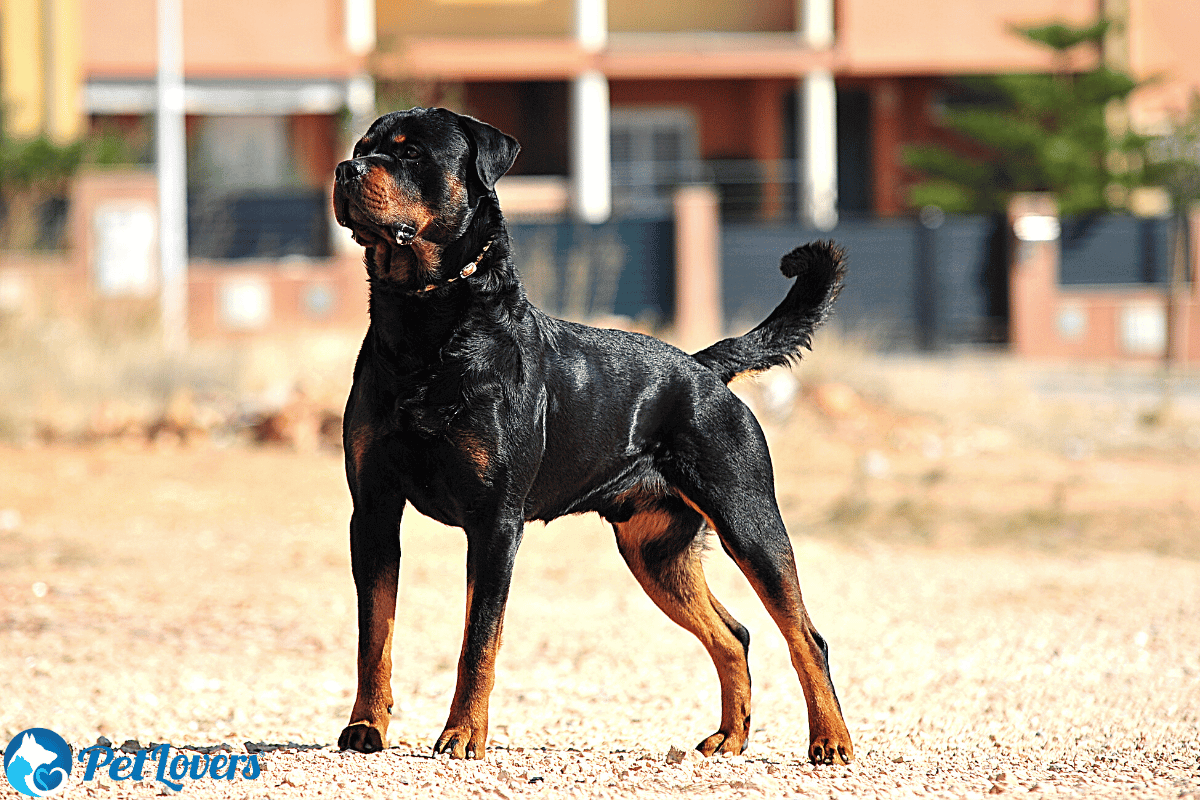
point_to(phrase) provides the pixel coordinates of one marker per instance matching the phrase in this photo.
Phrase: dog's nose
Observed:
(349, 170)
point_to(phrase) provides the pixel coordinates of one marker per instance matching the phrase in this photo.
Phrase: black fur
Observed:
(819, 268)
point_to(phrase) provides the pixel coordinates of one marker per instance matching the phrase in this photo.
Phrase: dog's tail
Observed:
(819, 268)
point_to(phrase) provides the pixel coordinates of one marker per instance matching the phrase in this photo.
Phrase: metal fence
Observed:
(909, 284)
(749, 189)
(1116, 249)
(582, 271)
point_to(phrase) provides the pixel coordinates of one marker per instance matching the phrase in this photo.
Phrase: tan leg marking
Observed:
(677, 586)
(466, 731)
(829, 739)
(371, 715)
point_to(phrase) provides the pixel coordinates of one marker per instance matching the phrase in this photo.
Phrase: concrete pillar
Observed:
(63, 50)
(817, 165)
(358, 19)
(41, 69)
(591, 162)
(1033, 276)
(885, 147)
(591, 170)
(816, 23)
(591, 24)
(698, 317)
(766, 144)
(359, 22)
(360, 102)
(21, 72)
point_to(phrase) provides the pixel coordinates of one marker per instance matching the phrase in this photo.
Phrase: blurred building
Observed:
(794, 108)
(266, 85)
(796, 111)
(757, 96)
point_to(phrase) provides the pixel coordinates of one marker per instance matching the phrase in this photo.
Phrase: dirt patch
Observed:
(1006, 614)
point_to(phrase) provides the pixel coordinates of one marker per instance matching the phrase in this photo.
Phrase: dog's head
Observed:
(414, 183)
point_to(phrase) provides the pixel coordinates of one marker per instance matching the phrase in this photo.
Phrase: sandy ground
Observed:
(1012, 606)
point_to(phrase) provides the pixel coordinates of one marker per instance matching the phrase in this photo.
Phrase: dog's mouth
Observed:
(402, 234)
(363, 218)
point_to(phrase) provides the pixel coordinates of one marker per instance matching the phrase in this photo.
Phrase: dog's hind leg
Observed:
(725, 475)
(752, 532)
(660, 546)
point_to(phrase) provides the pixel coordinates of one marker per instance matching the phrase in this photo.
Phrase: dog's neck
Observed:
(409, 321)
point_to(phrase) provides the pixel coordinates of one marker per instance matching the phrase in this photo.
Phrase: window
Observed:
(653, 151)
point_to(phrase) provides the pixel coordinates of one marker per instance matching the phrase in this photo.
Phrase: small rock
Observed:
(10, 520)
(744, 785)
(130, 746)
(875, 464)
(104, 741)
(676, 755)
(996, 789)
(295, 777)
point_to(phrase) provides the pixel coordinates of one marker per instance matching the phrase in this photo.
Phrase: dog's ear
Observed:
(494, 151)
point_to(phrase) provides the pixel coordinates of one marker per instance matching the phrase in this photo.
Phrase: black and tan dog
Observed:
(484, 413)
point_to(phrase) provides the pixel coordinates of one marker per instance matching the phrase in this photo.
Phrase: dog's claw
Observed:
(721, 742)
(459, 744)
(827, 752)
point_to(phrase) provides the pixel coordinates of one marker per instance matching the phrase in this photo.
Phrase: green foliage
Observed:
(1061, 37)
(1042, 132)
(35, 176)
(26, 164)
(1174, 159)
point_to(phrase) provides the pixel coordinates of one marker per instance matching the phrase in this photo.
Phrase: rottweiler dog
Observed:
(485, 413)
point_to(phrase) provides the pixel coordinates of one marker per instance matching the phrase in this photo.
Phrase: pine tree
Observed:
(1043, 132)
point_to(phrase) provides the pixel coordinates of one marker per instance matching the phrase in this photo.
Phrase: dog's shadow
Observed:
(266, 747)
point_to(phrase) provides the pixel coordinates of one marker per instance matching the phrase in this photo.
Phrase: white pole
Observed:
(171, 145)
(818, 149)
(816, 23)
(591, 170)
(591, 24)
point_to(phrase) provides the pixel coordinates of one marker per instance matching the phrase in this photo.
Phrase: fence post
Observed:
(698, 318)
(927, 300)
(1033, 275)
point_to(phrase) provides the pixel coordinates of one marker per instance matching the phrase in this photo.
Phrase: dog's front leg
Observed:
(490, 557)
(375, 562)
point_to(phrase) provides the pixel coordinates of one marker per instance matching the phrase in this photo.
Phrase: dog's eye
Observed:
(409, 152)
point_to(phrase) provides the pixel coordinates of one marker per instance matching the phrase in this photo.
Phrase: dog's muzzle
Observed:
(348, 176)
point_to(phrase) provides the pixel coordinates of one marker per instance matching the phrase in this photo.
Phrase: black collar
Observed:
(466, 272)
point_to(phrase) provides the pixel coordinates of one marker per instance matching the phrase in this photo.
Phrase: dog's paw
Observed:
(831, 750)
(721, 742)
(462, 741)
(363, 737)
